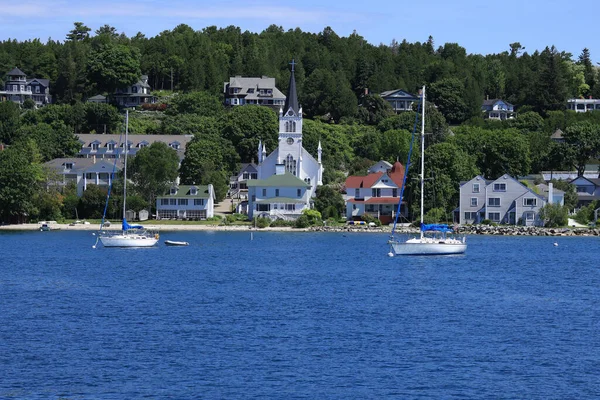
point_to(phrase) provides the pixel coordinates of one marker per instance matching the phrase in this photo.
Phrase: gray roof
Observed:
(292, 98)
(97, 97)
(558, 134)
(16, 71)
(494, 101)
(87, 138)
(81, 165)
(399, 93)
(250, 87)
(44, 82)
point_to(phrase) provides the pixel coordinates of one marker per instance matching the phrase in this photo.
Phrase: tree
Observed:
(571, 198)
(9, 121)
(80, 32)
(554, 215)
(53, 141)
(153, 170)
(374, 109)
(113, 66)
(584, 138)
(448, 95)
(20, 174)
(246, 126)
(199, 103)
(328, 198)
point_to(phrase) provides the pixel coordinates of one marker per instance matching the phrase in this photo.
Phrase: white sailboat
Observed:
(130, 235)
(434, 239)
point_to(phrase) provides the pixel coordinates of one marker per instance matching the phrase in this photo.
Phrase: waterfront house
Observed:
(497, 109)
(588, 189)
(238, 184)
(241, 90)
(81, 172)
(504, 201)
(376, 194)
(195, 202)
(399, 99)
(18, 88)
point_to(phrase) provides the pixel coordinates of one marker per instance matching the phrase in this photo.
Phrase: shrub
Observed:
(434, 216)
(554, 215)
(302, 222)
(281, 222)
(368, 219)
(262, 222)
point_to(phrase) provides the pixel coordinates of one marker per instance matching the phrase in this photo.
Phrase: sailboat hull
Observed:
(426, 248)
(128, 241)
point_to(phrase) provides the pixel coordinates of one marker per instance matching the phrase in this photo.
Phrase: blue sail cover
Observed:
(127, 227)
(436, 228)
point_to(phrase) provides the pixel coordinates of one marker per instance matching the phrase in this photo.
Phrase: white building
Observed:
(186, 202)
(289, 159)
(583, 105)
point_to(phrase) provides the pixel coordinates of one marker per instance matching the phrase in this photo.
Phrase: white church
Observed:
(289, 176)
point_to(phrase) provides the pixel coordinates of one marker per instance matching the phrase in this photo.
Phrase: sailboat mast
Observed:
(126, 147)
(422, 155)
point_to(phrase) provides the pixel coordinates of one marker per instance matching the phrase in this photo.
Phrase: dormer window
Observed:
(110, 146)
(174, 145)
(141, 145)
(173, 191)
(94, 146)
(69, 165)
(193, 191)
(134, 89)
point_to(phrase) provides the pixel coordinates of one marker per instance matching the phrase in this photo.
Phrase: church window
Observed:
(290, 140)
(290, 164)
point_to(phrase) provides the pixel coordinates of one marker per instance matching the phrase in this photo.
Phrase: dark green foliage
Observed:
(571, 198)
(113, 66)
(53, 141)
(9, 121)
(329, 202)
(584, 137)
(554, 215)
(199, 103)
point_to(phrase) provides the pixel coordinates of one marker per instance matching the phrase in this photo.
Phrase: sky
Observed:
(480, 27)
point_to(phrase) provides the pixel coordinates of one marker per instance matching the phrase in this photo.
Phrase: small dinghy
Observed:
(176, 243)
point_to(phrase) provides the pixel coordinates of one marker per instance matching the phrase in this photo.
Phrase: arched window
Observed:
(293, 124)
(290, 164)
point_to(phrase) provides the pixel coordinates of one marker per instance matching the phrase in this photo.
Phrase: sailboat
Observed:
(434, 239)
(130, 235)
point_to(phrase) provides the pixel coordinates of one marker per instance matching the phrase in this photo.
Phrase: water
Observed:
(297, 315)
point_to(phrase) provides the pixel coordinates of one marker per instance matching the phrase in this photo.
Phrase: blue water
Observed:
(297, 315)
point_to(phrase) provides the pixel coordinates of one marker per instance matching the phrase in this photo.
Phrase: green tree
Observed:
(327, 198)
(80, 32)
(199, 103)
(448, 95)
(153, 170)
(9, 121)
(584, 138)
(246, 126)
(113, 66)
(554, 215)
(53, 141)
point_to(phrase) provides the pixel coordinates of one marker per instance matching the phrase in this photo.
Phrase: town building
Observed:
(241, 90)
(583, 105)
(186, 202)
(588, 189)
(377, 194)
(497, 109)
(134, 95)
(400, 100)
(289, 176)
(504, 201)
(81, 172)
(18, 88)
(111, 145)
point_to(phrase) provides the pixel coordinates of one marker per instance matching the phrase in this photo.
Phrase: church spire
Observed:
(291, 100)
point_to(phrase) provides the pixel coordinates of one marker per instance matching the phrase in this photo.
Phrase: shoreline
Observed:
(461, 230)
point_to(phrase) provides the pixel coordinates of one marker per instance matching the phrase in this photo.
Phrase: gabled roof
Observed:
(557, 135)
(285, 180)
(491, 102)
(398, 94)
(592, 181)
(185, 191)
(43, 82)
(356, 182)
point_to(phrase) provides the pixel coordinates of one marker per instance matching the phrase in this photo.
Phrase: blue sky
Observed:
(479, 26)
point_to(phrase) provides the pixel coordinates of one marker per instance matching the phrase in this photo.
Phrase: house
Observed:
(238, 187)
(588, 189)
(111, 146)
(504, 200)
(82, 172)
(186, 202)
(134, 95)
(240, 91)
(98, 99)
(18, 88)
(399, 99)
(557, 136)
(290, 158)
(376, 194)
(381, 166)
(497, 109)
(583, 105)
(280, 196)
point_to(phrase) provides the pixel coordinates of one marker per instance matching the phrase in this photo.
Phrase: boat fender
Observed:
(156, 236)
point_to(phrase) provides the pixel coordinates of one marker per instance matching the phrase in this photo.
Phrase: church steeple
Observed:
(291, 100)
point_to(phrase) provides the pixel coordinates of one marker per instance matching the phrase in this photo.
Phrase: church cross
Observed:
(292, 64)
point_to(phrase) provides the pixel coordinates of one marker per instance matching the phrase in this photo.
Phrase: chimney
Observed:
(550, 193)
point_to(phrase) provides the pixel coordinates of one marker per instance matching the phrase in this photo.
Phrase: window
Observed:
(394, 192)
(182, 202)
(173, 191)
(530, 202)
(290, 164)
(245, 175)
(376, 192)
(299, 192)
(356, 193)
(198, 202)
(471, 216)
(174, 145)
(164, 202)
(254, 175)
(37, 89)
(68, 165)
(276, 192)
(499, 187)
(494, 202)
(494, 216)
(89, 175)
(581, 189)
(529, 215)
(193, 191)
(253, 197)
(473, 201)
(264, 192)
(94, 146)
(476, 188)
(110, 146)
(172, 202)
